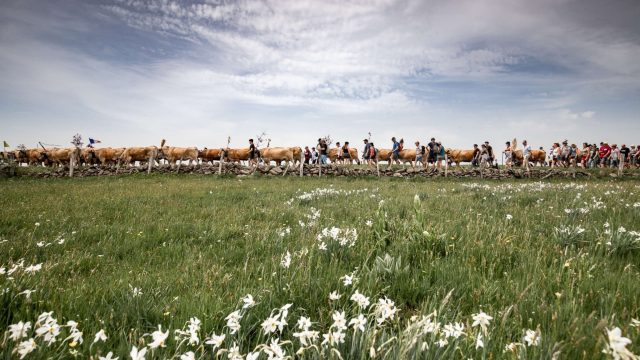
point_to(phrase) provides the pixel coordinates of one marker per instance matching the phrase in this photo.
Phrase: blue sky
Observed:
(131, 72)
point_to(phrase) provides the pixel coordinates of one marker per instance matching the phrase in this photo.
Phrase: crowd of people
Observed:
(559, 155)
(592, 156)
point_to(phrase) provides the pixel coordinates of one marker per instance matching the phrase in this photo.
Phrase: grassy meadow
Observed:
(335, 268)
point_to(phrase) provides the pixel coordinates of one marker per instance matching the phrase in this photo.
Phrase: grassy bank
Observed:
(125, 254)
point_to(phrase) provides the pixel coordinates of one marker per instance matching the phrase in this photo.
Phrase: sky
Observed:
(132, 72)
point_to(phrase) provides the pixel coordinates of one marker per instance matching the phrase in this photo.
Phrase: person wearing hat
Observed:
(604, 154)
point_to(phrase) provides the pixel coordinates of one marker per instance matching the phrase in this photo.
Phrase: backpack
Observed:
(436, 149)
(372, 151)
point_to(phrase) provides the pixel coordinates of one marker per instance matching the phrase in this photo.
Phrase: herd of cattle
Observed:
(291, 155)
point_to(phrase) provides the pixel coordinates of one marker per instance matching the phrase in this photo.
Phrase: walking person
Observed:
(307, 155)
(419, 154)
(365, 151)
(475, 161)
(526, 154)
(604, 153)
(395, 151)
(441, 154)
(253, 153)
(314, 155)
(346, 156)
(508, 154)
(492, 156)
(432, 153)
(322, 150)
(373, 158)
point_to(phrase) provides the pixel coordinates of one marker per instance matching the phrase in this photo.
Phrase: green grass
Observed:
(195, 245)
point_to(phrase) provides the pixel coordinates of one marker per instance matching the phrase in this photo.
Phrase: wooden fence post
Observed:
(621, 166)
(301, 163)
(220, 163)
(446, 165)
(72, 163)
(378, 163)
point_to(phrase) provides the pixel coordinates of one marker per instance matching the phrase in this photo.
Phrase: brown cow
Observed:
(457, 156)
(208, 155)
(277, 154)
(236, 155)
(62, 157)
(537, 157)
(353, 155)
(385, 155)
(297, 153)
(131, 155)
(409, 156)
(88, 156)
(406, 155)
(30, 156)
(173, 154)
(108, 156)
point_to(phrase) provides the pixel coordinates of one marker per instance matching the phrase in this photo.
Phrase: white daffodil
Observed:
(618, 345)
(361, 300)
(137, 354)
(334, 296)
(253, 355)
(274, 351)
(19, 330)
(286, 260)
(385, 310)
(532, 338)
(26, 347)
(347, 280)
(234, 353)
(189, 355)
(339, 321)
(358, 323)
(158, 338)
(509, 216)
(108, 357)
(481, 319)
(454, 330)
(304, 323)
(248, 301)
(271, 324)
(215, 340)
(233, 321)
(100, 336)
(32, 269)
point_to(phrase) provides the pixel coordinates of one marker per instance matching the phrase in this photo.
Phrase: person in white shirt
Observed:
(526, 154)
